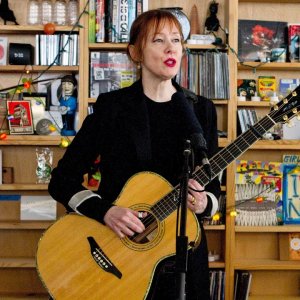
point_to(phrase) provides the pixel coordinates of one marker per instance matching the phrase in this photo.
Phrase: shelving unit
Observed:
(250, 248)
(18, 275)
(257, 248)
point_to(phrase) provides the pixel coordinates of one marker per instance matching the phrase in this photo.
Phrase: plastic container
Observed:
(33, 12)
(72, 12)
(60, 12)
(47, 11)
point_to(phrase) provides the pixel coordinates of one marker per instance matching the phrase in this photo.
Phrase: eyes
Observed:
(160, 40)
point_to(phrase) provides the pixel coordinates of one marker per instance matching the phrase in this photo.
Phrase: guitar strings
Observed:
(166, 205)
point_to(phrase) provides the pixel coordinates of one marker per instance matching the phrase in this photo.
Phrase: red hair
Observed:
(151, 20)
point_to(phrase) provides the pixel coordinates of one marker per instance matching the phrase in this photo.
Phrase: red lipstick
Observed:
(170, 62)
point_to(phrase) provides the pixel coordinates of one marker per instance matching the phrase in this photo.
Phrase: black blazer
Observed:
(118, 130)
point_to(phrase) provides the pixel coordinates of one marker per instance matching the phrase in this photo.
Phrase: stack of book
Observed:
(242, 285)
(246, 118)
(56, 49)
(217, 284)
(110, 21)
(206, 74)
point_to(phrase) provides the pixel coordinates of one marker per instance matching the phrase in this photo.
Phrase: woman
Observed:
(143, 128)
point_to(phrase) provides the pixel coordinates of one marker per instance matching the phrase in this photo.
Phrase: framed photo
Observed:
(291, 194)
(257, 39)
(20, 117)
(39, 104)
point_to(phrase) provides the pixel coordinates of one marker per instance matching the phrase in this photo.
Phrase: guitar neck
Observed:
(227, 155)
(282, 112)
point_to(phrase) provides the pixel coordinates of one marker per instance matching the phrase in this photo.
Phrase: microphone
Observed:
(199, 145)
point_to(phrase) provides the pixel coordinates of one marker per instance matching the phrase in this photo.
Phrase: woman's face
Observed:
(162, 54)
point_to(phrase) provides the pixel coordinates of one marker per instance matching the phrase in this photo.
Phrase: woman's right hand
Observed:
(124, 221)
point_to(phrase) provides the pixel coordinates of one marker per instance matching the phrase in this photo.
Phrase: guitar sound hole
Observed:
(149, 233)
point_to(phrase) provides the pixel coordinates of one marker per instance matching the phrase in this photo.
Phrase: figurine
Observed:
(212, 23)
(6, 13)
(68, 104)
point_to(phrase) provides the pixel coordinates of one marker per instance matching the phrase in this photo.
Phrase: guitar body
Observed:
(115, 268)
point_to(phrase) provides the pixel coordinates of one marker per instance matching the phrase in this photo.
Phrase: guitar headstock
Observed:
(287, 108)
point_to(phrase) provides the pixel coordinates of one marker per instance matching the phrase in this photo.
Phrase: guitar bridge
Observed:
(101, 259)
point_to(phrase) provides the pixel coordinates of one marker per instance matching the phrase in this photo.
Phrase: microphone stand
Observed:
(181, 238)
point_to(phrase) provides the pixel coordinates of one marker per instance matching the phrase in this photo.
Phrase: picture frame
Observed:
(20, 117)
(291, 194)
(39, 104)
(257, 39)
(37, 99)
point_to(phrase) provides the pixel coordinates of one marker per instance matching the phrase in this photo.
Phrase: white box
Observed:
(291, 133)
(3, 50)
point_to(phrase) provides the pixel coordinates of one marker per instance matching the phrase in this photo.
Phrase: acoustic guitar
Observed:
(79, 258)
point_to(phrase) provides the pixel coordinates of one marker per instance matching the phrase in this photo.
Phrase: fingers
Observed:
(124, 221)
(197, 201)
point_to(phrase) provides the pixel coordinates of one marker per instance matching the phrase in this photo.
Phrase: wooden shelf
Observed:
(17, 262)
(30, 29)
(260, 229)
(220, 102)
(32, 140)
(223, 142)
(254, 103)
(271, 1)
(266, 264)
(24, 187)
(214, 227)
(35, 69)
(273, 297)
(24, 297)
(270, 66)
(25, 225)
(217, 265)
(276, 145)
(123, 46)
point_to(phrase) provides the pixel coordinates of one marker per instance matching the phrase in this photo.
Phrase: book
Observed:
(92, 21)
(123, 32)
(3, 50)
(243, 280)
(100, 21)
(246, 117)
(287, 85)
(257, 38)
(258, 192)
(266, 87)
(294, 42)
(110, 71)
(246, 87)
(291, 194)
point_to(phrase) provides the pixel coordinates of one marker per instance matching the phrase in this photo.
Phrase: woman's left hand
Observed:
(197, 201)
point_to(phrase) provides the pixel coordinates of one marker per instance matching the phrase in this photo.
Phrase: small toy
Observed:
(6, 13)
(212, 22)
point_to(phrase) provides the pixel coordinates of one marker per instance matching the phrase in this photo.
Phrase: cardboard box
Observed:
(289, 246)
